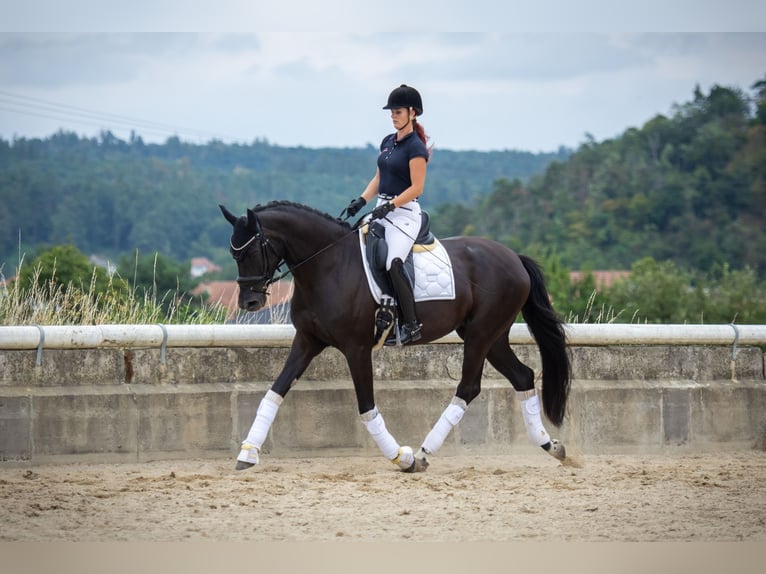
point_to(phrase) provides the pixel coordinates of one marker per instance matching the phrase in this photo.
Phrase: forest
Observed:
(109, 197)
(680, 199)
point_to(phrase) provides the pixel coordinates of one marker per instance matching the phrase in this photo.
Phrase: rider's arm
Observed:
(418, 179)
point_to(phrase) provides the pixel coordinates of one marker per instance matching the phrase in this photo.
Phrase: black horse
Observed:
(332, 306)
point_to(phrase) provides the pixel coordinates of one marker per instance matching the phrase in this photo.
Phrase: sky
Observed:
(492, 75)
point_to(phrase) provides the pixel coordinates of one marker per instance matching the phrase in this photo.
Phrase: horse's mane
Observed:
(302, 207)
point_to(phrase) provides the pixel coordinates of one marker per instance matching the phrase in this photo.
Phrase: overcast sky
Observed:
(317, 73)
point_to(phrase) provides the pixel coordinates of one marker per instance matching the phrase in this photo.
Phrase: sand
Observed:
(702, 497)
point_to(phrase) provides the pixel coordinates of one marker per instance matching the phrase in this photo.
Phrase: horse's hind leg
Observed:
(505, 361)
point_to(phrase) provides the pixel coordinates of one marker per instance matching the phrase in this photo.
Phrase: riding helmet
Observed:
(405, 97)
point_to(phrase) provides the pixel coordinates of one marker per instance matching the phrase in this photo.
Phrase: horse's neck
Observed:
(303, 234)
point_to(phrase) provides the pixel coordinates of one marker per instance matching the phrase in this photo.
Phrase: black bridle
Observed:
(258, 283)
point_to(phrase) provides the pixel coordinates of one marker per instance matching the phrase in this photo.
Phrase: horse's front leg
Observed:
(360, 364)
(302, 352)
(467, 390)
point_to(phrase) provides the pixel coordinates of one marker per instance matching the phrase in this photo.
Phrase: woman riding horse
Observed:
(329, 309)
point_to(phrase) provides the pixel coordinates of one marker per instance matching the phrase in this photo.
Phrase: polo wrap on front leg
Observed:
(264, 417)
(447, 421)
(530, 410)
(376, 426)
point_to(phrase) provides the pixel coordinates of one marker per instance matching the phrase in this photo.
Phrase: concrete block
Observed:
(15, 432)
(615, 418)
(318, 417)
(676, 414)
(730, 412)
(186, 420)
(77, 406)
(17, 368)
(75, 422)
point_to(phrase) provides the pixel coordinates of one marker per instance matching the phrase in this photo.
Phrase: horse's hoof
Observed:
(405, 460)
(421, 463)
(248, 456)
(556, 449)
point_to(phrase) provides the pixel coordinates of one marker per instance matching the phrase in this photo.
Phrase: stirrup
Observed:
(384, 321)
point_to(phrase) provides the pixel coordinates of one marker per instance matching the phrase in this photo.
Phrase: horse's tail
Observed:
(548, 330)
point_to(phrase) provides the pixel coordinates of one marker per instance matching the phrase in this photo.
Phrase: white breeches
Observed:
(402, 228)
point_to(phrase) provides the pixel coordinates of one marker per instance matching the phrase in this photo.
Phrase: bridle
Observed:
(258, 283)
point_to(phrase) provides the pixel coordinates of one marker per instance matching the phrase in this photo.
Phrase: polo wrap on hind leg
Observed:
(264, 417)
(376, 426)
(530, 410)
(447, 421)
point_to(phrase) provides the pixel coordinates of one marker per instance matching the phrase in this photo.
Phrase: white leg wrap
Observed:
(448, 419)
(376, 426)
(264, 417)
(530, 409)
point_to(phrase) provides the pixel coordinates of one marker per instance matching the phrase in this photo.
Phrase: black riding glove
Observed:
(356, 205)
(382, 210)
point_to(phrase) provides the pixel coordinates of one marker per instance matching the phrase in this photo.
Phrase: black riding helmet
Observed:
(405, 97)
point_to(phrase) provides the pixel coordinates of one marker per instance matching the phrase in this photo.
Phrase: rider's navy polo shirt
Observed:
(394, 163)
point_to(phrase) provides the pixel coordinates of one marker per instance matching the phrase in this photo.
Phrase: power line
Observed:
(31, 106)
(72, 119)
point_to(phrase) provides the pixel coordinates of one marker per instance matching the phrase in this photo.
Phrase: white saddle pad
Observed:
(434, 279)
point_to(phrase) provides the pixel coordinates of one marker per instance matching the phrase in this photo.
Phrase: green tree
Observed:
(156, 275)
(656, 292)
(66, 267)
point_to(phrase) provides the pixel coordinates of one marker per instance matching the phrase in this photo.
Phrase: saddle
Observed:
(376, 251)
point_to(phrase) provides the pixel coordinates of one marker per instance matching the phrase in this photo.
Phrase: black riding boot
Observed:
(411, 329)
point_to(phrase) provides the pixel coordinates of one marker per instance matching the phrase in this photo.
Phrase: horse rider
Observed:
(398, 182)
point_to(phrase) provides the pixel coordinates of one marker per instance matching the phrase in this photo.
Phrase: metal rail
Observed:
(163, 336)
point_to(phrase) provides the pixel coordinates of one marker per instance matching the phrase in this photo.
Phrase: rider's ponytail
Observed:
(421, 132)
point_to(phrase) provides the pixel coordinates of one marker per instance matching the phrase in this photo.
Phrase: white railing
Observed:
(137, 336)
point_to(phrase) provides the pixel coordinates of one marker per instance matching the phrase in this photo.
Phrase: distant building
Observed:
(225, 293)
(603, 279)
(202, 265)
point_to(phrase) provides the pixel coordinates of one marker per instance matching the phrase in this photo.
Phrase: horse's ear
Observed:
(252, 221)
(230, 217)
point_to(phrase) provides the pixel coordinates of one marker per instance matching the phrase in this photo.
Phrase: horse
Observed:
(331, 308)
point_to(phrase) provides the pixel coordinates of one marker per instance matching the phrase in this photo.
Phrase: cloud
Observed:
(481, 90)
(60, 59)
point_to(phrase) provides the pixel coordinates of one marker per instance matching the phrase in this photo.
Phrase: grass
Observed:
(51, 303)
(603, 314)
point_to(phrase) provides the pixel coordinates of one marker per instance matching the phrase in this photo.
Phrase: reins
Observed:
(310, 257)
(265, 243)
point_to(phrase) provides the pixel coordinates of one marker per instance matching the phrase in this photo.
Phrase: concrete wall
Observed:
(127, 405)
